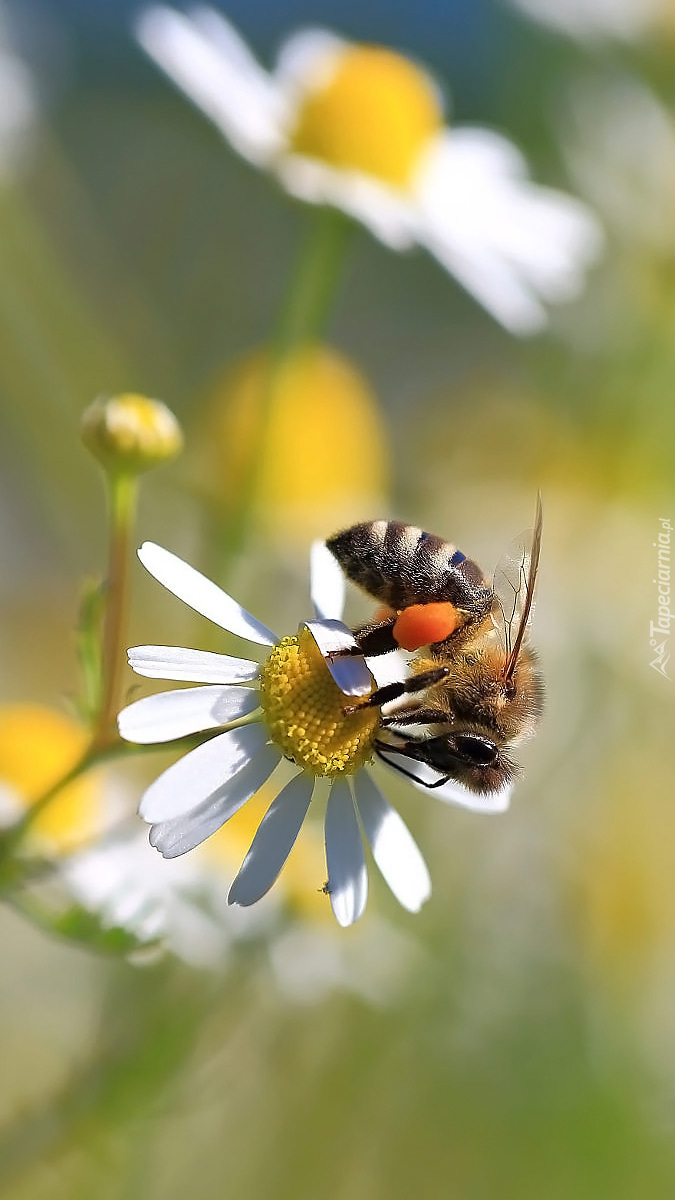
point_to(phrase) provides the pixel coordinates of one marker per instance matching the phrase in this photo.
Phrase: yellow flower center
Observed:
(304, 711)
(374, 114)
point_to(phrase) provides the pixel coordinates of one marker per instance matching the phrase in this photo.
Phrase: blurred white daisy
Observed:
(131, 888)
(181, 907)
(620, 147)
(361, 128)
(595, 20)
(18, 105)
(286, 724)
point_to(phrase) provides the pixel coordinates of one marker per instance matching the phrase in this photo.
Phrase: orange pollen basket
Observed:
(421, 624)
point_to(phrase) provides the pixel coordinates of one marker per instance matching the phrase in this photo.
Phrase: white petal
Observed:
(200, 593)
(350, 673)
(390, 668)
(175, 714)
(507, 240)
(186, 784)
(451, 792)
(308, 59)
(204, 55)
(273, 842)
(455, 793)
(492, 282)
(327, 583)
(388, 213)
(393, 847)
(229, 43)
(175, 837)
(190, 666)
(345, 857)
(460, 223)
(10, 806)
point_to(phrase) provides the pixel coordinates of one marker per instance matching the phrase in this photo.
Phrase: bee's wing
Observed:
(510, 588)
(514, 584)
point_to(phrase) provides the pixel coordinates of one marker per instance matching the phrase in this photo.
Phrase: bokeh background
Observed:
(517, 1038)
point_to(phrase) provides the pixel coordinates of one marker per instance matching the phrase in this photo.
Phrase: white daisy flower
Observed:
(285, 723)
(361, 128)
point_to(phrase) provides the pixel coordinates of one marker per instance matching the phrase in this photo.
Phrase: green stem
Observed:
(105, 741)
(314, 282)
(122, 499)
(302, 317)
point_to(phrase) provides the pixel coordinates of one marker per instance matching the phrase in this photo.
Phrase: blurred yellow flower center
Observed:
(38, 746)
(374, 114)
(304, 710)
(327, 474)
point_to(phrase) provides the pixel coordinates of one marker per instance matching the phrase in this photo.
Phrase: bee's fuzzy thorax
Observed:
(473, 691)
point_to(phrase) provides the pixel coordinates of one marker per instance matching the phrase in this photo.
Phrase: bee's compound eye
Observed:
(480, 751)
(422, 624)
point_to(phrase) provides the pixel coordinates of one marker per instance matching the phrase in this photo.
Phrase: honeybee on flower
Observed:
(285, 722)
(361, 128)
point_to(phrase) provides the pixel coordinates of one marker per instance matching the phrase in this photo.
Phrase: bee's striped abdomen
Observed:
(401, 565)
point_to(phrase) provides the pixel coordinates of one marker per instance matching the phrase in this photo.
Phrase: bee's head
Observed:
(471, 756)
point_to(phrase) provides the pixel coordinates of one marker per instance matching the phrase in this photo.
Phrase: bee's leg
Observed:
(377, 638)
(416, 779)
(407, 749)
(403, 687)
(372, 640)
(415, 716)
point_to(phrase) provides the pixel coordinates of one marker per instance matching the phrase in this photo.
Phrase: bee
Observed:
(474, 691)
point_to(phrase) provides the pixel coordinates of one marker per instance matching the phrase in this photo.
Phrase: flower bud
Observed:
(130, 433)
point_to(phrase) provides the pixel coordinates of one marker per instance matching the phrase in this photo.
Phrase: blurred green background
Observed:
(524, 1045)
